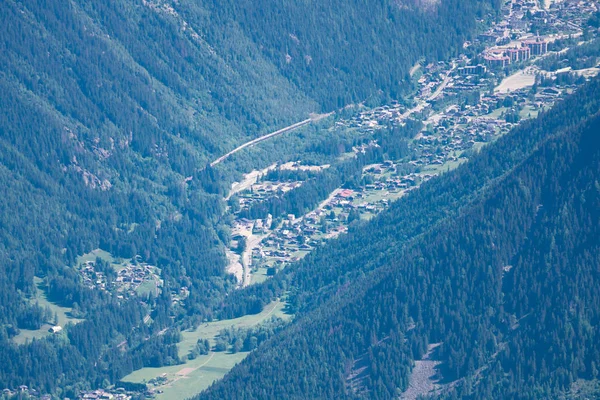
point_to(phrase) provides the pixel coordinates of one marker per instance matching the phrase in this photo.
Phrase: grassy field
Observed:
(496, 113)
(436, 169)
(148, 287)
(258, 276)
(63, 314)
(528, 112)
(117, 263)
(91, 256)
(372, 196)
(187, 379)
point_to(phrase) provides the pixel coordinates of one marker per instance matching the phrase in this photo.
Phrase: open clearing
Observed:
(414, 69)
(235, 267)
(516, 81)
(249, 179)
(422, 380)
(528, 112)
(117, 263)
(186, 380)
(63, 314)
(241, 266)
(210, 329)
(92, 255)
(185, 371)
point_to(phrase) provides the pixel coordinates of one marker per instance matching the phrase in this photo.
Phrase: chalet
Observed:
(347, 193)
(551, 91)
(55, 329)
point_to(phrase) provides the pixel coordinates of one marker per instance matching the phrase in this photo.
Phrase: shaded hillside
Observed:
(340, 52)
(508, 287)
(322, 273)
(107, 108)
(111, 112)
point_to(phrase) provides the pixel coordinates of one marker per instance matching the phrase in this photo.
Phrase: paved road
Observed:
(443, 85)
(252, 142)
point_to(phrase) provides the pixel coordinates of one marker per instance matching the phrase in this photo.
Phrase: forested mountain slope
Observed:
(111, 112)
(340, 52)
(509, 287)
(323, 272)
(107, 108)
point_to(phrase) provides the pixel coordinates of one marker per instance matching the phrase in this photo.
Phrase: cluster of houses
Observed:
(261, 190)
(385, 179)
(570, 15)
(453, 131)
(294, 237)
(372, 119)
(443, 141)
(262, 226)
(445, 144)
(91, 278)
(24, 391)
(129, 278)
(520, 14)
(101, 394)
(566, 17)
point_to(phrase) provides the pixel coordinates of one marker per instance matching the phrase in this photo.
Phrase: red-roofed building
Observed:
(494, 61)
(537, 46)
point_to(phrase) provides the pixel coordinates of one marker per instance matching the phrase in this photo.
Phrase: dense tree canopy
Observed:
(111, 112)
(500, 267)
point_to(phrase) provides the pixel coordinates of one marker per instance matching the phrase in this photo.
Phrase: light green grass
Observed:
(259, 276)
(496, 113)
(28, 334)
(437, 169)
(210, 329)
(365, 216)
(63, 314)
(92, 255)
(528, 112)
(300, 253)
(478, 146)
(188, 379)
(396, 195)
(147, 287)
(183, 383)
(117, 263)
